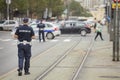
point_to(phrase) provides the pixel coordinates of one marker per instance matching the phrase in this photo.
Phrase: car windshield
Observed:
(33, 25)
(2, 22)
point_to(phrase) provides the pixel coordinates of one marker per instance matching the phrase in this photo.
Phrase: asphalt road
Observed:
(8, 48)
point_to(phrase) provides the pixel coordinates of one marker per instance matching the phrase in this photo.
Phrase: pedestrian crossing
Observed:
(36, 40)
(55, 40)
(13, 42)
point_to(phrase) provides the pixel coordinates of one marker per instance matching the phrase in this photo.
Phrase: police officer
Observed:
(24, 34)
(41, 27)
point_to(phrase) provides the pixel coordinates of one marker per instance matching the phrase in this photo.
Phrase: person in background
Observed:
(24, 34)
(41, 27)
(95, 23)
(99, 27)
(108, 19)
(103, 21)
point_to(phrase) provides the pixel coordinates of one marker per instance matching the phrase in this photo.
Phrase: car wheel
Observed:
(83, 33)
(50, 36)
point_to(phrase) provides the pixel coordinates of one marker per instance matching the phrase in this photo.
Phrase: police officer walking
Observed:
(24, 34)
(41, 27)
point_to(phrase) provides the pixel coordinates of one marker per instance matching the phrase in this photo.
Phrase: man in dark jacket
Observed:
(41, 27)
(24, 34)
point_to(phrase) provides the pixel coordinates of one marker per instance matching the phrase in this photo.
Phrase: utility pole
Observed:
(27, 12)
(116, 32)
(67, 3)
(108, 14)
(8, 2)
(68, 9)
(111, 26)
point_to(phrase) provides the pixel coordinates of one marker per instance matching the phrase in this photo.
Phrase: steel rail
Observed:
(83, 61)
(57, 61)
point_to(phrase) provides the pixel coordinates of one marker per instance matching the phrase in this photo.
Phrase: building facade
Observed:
(91, 3)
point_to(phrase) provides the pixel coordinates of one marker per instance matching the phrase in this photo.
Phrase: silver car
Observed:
(8, 24)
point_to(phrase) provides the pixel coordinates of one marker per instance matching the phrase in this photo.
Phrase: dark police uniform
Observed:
(41, 27)
(24, 34)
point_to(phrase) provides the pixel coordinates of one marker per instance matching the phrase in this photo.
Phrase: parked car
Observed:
(51, 30)
(8, 24)
(90, 23)
(75, 27)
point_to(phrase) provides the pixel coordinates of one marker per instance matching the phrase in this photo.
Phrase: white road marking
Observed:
(67, 40)
(1, 47)
(54, 40)
(6, 40)
(34, 40)
(15, 40)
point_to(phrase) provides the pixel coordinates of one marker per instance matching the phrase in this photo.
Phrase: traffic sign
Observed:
(8, 1)
(114, 5)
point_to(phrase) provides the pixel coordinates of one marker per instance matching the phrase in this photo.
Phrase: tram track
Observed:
(83, 61)
(57, 62)
(66, 53)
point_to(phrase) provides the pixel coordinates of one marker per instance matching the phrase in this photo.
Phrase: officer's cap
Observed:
(25, 20)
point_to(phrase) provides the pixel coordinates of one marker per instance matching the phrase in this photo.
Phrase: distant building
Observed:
(90, 3)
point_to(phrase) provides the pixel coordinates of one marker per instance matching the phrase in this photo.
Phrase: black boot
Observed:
(19, 72)
(27, 73)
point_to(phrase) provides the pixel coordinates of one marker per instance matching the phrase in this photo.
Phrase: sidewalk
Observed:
(99, 65)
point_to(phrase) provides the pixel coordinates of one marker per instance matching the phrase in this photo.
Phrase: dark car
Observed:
(75, 27)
